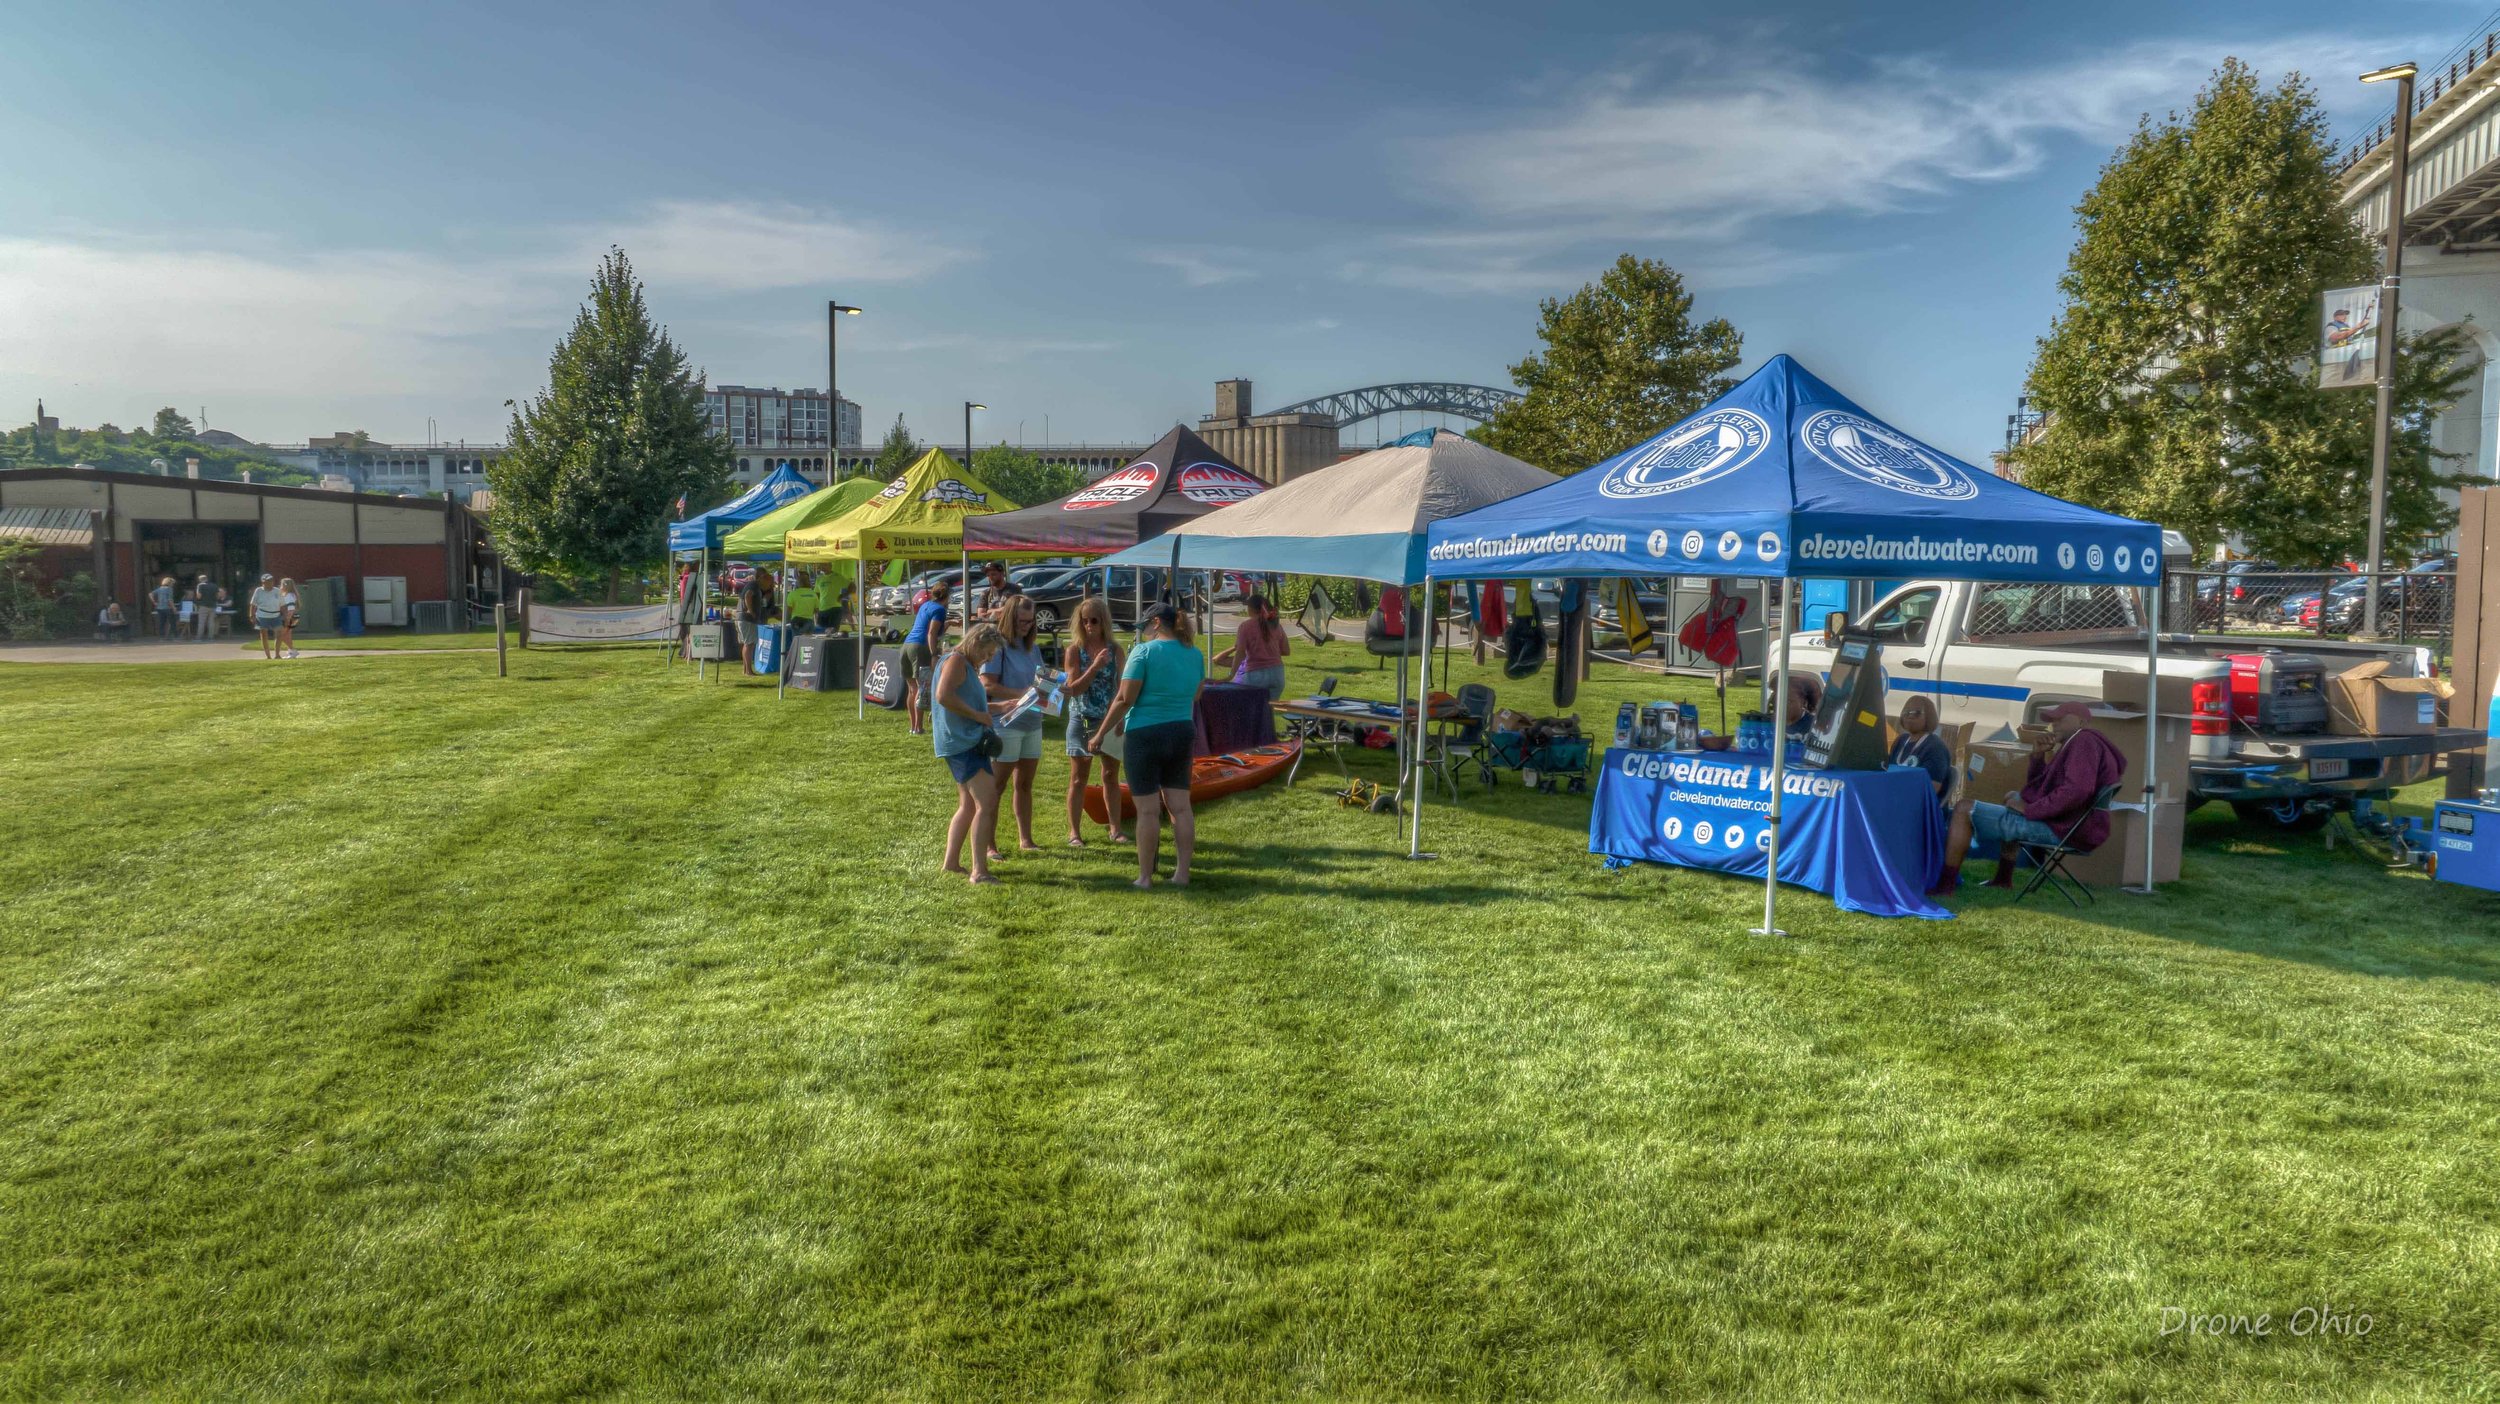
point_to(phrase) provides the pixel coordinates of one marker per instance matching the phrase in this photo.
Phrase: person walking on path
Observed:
(1008, 674)
(925, 639)
(959, 718)
(1257, 656)
(268, 609)
(161, 600)
(290, 609)
(1093, 665)
(1158, 702)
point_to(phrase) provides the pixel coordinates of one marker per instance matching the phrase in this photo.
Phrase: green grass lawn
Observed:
(385, 1029)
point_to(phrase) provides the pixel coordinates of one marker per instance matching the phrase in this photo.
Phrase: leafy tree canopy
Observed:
(1623, 359)
(898, 452)
(600, 457)
(2179, 378)
(170, 423)
(1022, 477)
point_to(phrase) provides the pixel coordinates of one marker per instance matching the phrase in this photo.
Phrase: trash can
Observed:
(352, 620)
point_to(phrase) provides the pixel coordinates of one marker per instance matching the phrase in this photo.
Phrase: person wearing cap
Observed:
(2068, 770)
(268, 613)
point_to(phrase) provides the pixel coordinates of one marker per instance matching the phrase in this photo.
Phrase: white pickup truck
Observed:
(1996, 654)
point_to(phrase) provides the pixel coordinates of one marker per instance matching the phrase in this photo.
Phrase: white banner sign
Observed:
(2348, 349)
(568, 623)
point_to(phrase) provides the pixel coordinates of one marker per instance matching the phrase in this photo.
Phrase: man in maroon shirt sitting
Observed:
(2068, 770)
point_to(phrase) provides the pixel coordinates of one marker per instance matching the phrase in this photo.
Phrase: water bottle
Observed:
(1687, 727)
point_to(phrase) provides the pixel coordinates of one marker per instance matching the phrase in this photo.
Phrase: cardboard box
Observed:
(2125, 730)
(2120, 861)
(1990, 770)
(2364, 701)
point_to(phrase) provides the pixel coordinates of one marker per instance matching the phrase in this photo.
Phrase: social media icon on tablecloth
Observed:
(2092, 556)
(1767, 546)
(1692, 544)
(2065, 555)
(1701, 832)
(1735, 836)
(1671, 830)
(1762, 841)
(1658, 542)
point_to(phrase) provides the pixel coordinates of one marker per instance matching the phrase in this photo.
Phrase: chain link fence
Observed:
(2416, 606)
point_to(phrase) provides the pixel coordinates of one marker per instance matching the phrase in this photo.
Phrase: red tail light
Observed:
(2210, 701)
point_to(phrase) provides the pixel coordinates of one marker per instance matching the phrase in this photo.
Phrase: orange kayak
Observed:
(1212, 777)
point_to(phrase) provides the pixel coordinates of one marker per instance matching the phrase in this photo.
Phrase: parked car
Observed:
(734, 577)
(2262, 594)
(2417, 597)
(1055, 597)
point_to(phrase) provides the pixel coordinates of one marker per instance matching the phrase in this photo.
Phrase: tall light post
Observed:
(2390, 285)
(969, 407)
(834, 313)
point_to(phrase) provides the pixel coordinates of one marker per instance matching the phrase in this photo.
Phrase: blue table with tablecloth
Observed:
(1872, 839)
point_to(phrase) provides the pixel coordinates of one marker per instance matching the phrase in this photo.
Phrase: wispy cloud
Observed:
(1706, 152)
(214, 314)
(1202, 268)
(754, 248)
(995, 349)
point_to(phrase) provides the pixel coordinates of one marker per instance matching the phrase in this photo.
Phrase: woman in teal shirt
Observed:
(1158, 702)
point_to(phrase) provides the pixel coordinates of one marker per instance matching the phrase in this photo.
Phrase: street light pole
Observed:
(969, 407)
(2390, 286)
(834, 313)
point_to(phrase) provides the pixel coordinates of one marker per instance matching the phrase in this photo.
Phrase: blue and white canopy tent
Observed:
(1784, 477)
(698, 536)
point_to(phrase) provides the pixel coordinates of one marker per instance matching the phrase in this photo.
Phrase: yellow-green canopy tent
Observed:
(918, 516)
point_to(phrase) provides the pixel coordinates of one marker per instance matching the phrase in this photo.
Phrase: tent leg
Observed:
(1779, 766)
(859, 641)
(1423, 660)
(2152, 724)
(781, 675)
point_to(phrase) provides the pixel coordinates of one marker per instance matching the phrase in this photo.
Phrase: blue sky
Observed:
(316, 217)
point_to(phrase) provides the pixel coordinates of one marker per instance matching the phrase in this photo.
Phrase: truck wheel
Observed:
(2286, 816)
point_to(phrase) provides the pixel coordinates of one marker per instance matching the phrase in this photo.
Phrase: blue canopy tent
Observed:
(704, 531)
(1784, 477)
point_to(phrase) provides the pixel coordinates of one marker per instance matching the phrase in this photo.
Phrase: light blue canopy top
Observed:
(704, 530)
(1784, 476)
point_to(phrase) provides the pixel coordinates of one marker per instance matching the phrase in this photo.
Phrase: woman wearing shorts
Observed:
(1008, 674)
(1158, 702)
(290, 607)
(927, 637)
(1093, 664)
(959, 717)
(268, 613)
(1257, 656)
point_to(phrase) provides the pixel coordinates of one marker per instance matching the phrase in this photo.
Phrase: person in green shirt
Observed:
(1158, 703)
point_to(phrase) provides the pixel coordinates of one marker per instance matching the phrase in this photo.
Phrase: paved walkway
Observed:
(222, 651)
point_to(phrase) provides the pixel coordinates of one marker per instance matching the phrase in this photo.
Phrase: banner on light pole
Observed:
(2348, 347)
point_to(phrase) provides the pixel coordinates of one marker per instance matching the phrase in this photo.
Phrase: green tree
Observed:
(898, 452)
(1623, 359)
(170, 423)
(1022, 477)
(599, 458)
(2179, 379)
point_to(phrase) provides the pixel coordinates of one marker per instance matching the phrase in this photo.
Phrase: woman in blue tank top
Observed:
(959, 718)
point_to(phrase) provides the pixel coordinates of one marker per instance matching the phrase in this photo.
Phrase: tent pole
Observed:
(859, 636)
(781, 675)
(1423, 705)
(1779, 767)
(2152, 723)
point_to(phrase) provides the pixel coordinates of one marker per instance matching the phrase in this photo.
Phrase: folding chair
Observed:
(2049, 860)
(1476, 700)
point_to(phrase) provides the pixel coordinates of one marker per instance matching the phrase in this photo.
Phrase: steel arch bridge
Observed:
(1350, 407)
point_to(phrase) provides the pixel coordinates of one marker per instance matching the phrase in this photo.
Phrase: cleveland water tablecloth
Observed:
(1232, 717)
(1873, 839)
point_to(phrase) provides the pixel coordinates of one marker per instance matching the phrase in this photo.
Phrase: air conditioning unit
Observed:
(386, 601)
(432, 616)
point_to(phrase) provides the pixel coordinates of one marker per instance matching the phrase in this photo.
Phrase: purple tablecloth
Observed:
(1232, 718)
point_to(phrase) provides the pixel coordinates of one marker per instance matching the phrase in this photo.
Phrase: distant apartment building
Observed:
(767, 427)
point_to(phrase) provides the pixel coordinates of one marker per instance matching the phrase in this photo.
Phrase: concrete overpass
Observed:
(2452, 224)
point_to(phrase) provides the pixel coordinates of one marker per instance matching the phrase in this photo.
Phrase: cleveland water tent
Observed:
(1784, 477)
(704, 531)
(1177, 479)
(1362, 519)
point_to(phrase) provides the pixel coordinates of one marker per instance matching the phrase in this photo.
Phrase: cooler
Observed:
(2465, 837)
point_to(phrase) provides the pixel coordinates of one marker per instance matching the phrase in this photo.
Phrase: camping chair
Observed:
(2049, 860)
(1378, 642)
(1470, 741)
